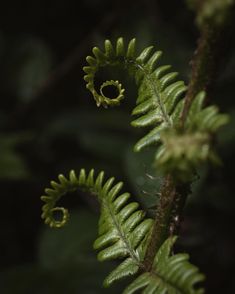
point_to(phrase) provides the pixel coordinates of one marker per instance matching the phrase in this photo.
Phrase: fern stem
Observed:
(204, 64)
(163, 216)
(210, 50)
(168, 215)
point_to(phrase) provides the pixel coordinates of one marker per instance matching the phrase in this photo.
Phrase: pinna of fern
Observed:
(124, 233)
(182, 152)
(160, 103)
(170, 274)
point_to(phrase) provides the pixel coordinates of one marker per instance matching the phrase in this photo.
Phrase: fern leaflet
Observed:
(169, 275)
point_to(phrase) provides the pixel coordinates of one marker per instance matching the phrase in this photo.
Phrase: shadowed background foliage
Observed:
(49, 124)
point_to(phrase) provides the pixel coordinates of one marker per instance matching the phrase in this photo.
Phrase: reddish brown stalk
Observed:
(168, 213)
(204, 64)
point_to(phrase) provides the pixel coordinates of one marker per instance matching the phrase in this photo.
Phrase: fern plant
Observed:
(160, 104)
(124, 232)
(183, 135)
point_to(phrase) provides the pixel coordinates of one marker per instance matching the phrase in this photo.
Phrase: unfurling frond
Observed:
(159, 106)
(159, 95)
(124, 234)
(123, 228)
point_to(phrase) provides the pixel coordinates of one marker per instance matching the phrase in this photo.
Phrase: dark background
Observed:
(49, 124)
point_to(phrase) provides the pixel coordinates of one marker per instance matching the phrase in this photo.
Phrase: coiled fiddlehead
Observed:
(123, 228)
(150, 81)
(159, 105)
(124, 233)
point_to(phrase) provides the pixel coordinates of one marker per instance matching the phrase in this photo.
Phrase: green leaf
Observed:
(170, 274)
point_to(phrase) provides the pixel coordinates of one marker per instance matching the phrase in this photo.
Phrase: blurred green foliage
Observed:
(214, 11)
(62, 266)
(12, 164)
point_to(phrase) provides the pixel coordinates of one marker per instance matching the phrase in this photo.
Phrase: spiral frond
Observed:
(61, 188)
(123, 227)
(159, 106)
(124, 233)
(110, 57)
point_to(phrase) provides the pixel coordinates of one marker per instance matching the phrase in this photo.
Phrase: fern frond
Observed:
(64, 186)
(124, 233)
(158, 92)
(170, 274)
(123, 228)
(160, 104)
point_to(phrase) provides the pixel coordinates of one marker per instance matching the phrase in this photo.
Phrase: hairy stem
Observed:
(204, 65)
(168, 215)
(160, 229)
